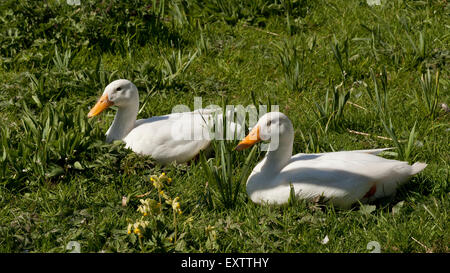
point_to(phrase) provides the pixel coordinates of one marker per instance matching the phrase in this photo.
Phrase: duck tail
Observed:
(400, 176)
(418, 167)
(371, 151)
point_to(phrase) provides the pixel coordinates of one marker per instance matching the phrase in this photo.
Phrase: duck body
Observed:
(176, 137)
(341, 178)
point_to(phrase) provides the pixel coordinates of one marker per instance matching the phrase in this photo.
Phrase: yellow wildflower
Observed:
(176, 205)
(143, 224)
(139, 226)
(163, 194)
(148, 206)
(211, 232)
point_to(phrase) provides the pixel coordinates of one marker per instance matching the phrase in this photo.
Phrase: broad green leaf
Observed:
(77, 165)
(55, 170)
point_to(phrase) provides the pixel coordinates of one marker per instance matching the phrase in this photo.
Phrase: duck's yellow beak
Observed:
(101, 105)
(251, 139)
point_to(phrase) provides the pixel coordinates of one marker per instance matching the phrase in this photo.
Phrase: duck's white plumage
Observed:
(342, 178)
(176, 137)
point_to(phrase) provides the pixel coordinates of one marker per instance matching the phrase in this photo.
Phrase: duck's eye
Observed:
(118, 88)
(269, 123)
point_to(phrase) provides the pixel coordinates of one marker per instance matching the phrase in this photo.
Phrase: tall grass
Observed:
(331, 111)
(225, 174)
(430, 93)
(380, 97)
(292, 60)
(341, 60)
(59, 141)
(176, 64)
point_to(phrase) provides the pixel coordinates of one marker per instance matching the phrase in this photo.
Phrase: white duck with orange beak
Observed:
(341, 178)
(176, 137)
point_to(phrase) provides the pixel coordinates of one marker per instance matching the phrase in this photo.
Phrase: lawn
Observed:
(349, 76)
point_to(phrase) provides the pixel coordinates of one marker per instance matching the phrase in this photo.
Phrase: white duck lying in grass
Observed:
(341, 178)
(174, 137)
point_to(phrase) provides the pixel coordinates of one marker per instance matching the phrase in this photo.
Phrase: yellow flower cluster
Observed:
(150, 206)
(175, 205)
(138, 227)
(158, 181)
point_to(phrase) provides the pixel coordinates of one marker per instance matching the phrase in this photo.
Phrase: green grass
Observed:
(59, 181)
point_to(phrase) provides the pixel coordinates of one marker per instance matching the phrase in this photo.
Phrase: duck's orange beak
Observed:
(251, 139)
(101, 105)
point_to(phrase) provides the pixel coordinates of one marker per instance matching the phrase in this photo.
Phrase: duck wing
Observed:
(178, 136)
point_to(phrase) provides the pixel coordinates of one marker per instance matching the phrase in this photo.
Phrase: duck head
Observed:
(269, 127)
(120, 93)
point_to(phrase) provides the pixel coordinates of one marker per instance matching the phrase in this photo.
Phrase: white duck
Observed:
(174, 137)
(342, 178)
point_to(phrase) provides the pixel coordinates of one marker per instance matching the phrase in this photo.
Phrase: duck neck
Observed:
(123, 123)
(279, 152)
